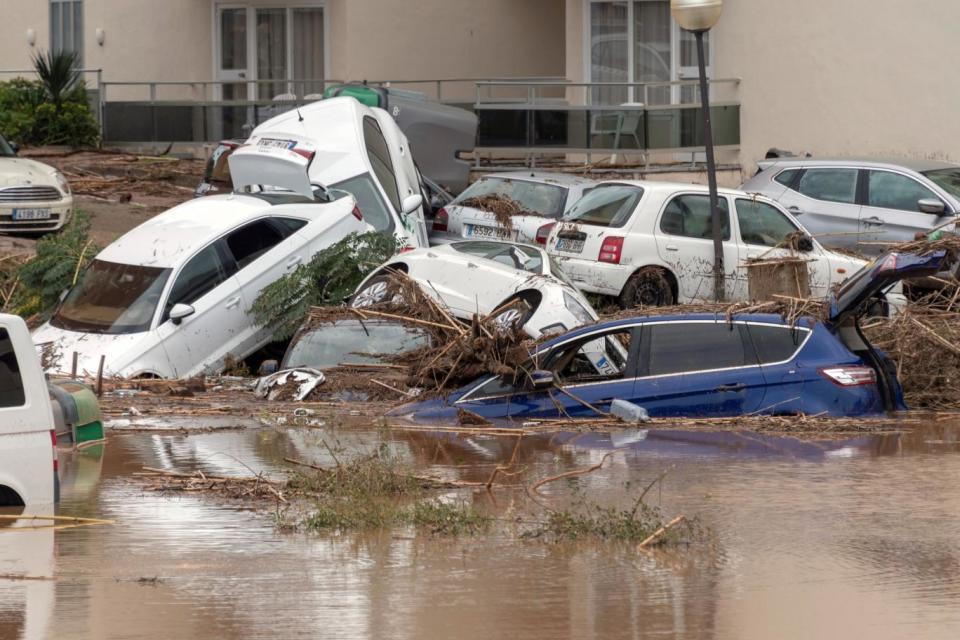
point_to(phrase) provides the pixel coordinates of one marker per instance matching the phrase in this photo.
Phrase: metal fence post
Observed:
(101, 100)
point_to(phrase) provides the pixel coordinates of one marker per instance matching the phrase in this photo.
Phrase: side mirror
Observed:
(179, 312)
(805, 244)
(931, 205)
(15, 147)
(411, 203)
(542, 379)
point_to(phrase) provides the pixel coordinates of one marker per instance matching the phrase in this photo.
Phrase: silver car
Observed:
(861, 204)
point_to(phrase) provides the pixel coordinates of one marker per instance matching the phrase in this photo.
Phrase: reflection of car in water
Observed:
(26, 604)
(700, 365)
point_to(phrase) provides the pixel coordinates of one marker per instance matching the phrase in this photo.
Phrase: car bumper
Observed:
(60, 213)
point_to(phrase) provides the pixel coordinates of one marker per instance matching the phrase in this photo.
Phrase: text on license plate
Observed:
(274, 143)
(31, 214)
(480, 231)
(570, 246)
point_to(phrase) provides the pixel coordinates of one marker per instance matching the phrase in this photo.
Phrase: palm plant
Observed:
(58, 72)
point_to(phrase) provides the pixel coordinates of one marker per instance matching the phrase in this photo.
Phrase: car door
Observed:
(684, 236)
(385, 171)
(824, 200)
(763, 230)
(202, 340)
(697, 368)
(775, 347)
(589, 373)
(891, 212)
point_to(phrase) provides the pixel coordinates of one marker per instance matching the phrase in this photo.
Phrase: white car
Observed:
(28, 454)
(34, 197)
(546, 196)
(471, 277)
(353, 148)
(171, 298)
(650, 243)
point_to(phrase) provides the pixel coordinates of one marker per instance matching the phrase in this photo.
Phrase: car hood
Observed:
(20, 171)
(119, 350)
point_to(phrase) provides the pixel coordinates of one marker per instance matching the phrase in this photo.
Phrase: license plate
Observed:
(31, 214)
(569, 246)
(274, 143)
(481, 231)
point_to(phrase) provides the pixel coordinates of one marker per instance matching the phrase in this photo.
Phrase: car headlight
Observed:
(62, 183)
(578, 310)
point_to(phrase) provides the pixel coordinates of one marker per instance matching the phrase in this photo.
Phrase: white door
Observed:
(232, 53)
(685, 242)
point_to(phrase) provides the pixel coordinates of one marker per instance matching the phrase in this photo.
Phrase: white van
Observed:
(28, 453)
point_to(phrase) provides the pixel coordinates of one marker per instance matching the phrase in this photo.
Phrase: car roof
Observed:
(173, 236)
(548, 177)
(914, 164)
(671, 187)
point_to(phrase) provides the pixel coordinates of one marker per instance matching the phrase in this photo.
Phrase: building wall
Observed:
(858, 77)
(18, 16)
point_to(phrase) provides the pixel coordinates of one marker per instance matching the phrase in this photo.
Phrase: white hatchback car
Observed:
(544, 196)
(621, 233)
(34, 197)
(171, 298)
(471, 277)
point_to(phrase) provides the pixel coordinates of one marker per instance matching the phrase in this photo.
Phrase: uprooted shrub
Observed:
(327, 279)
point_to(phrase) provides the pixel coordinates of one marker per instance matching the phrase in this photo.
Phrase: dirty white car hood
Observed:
(21, 171)
(120, 350)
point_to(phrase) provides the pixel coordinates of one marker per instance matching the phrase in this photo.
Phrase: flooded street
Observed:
(841, 538)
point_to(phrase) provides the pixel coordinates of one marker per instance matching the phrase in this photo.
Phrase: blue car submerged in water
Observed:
(701, 364)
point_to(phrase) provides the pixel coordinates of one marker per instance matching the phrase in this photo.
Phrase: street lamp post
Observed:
(698, 17)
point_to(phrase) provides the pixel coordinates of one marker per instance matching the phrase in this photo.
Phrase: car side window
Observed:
(251, 241)
(762, 223)
(198, 277)
(775, 344)
(786, 178)
(603, 358)
(894, 191)
(832, 185)
(288, 226)
(11, 384)
(687, 347)
(689, 215)
(379, 153)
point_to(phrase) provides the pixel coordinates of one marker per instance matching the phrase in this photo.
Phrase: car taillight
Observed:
(357, 213)
(53, 442)
(611, 250)
(305, 153)
(441, 220)
(544, 232)
(408, 247)
(850, 376)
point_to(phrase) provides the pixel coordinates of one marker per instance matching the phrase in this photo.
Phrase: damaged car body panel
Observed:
(705, 365)
(352, 341)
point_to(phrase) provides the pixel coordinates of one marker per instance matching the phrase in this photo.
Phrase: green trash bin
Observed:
(82, 420)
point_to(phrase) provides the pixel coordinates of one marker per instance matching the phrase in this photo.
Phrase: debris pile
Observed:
(117, 177)
(502, 207)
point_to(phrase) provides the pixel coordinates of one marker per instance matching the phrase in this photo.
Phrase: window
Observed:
(368, 198)
(787, 178)
(514, 256)
(200, 276)
(66, 27)
(353, 341)
(689, 215)
(112, 298)
(946, 179)
(379, 154)
(11, 384)
(894, 191)
(606, 206)
(288, 226)
(542, 199)
(762, 223)
(832, 185)
(603, 358)
(685, 347)
(775, 344)
(251, 241)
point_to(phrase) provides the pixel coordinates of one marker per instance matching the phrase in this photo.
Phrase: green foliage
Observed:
(448, 518)
(19, 99)
(60, 258)
(72, 125)
(59, 74)
(328, 279)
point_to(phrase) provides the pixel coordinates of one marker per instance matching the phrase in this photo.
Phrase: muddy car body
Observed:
(543, 196)
(473, 277)
(171, 298)
(650, 243)
(352, 341)
(34, 197)
(705, 364)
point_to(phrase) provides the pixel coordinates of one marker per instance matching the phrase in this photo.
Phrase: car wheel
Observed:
(648, 287)
(513, 314)
(378, 290)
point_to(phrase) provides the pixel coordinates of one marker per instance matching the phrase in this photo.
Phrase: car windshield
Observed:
(533, 197)
(368, 198)
(516, 256)
(352, 341)
(946, 179)
(606, 206)
(112, 298)
(6, 151)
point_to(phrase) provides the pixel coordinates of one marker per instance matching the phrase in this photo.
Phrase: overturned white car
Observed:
(484, 277)
(171, 298)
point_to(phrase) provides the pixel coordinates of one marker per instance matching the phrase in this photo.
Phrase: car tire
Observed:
(515, 316)
(378, 290)
(648, 287)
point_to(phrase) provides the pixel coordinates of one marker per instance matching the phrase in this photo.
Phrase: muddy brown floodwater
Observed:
(854, 538)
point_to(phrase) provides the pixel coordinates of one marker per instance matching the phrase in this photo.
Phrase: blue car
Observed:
(701, 364)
